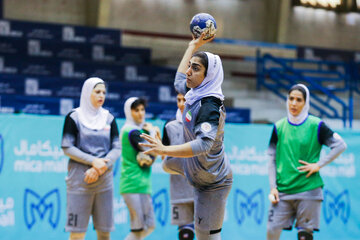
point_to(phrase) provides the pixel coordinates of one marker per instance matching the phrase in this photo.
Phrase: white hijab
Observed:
(211, 85)
(130, 122)
(89, 116)
(299, 119)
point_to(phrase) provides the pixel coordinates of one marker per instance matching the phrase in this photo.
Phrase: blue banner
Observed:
(71, 88)
(38, 66)
(59, 32)
(31, 208)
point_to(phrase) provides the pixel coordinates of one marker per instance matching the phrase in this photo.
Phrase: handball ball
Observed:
(144, 160)
(203, 22)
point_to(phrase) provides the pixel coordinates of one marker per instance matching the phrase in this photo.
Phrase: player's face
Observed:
(195, 73)
(180, 102)
(97, 96)
(138, 114)
(296, 102)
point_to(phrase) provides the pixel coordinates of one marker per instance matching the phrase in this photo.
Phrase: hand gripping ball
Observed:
(203, 22)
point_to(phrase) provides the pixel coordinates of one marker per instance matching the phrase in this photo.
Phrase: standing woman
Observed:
(135, 179)
(91, 141)
(199, 78)
(295, 182)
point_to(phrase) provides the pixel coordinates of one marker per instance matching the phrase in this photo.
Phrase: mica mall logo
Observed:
(161, 206)
(36, 206)
(336, 205)
(247, 205)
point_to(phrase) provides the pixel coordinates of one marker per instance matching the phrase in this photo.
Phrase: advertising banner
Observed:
(33, 192)
(59, 32)
(19, 48)
(75, 69)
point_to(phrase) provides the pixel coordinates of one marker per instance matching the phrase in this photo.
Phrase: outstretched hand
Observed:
(155, 145)
(308, 167)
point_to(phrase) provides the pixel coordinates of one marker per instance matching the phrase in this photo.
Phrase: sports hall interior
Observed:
(265, 45)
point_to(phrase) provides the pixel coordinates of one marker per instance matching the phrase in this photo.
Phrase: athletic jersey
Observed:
(326, 137)
(297, 142)
(133, 179)
(180, 190)
(204, 122)
(83, 145)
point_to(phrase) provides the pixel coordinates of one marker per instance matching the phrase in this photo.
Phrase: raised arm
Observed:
(193, 46)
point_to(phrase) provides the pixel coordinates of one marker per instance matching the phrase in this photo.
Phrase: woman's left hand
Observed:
(308, 167)
(155, 145)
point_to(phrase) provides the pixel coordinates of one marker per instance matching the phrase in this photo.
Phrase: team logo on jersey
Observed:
(34, 203)
(336, 206)
(161, 206)
(245, 205)
(206, 127)
(188, 116)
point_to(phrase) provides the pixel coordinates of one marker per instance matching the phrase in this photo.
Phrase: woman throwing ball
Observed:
(199, 78)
